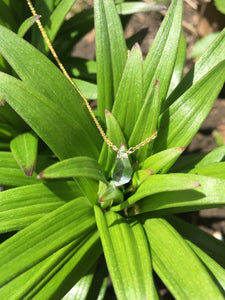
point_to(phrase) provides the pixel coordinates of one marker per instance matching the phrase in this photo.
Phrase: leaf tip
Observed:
(37, 17)
(136, 46)
(156, 81)
(107, 112)
(40, 175)
(29, 171)
(197, 184)
(2, 102)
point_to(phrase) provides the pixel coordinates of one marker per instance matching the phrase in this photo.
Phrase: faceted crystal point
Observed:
(123, 170)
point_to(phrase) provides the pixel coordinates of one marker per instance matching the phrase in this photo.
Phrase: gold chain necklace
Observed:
(105, 138)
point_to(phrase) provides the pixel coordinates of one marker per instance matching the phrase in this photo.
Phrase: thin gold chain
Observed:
(105, 138)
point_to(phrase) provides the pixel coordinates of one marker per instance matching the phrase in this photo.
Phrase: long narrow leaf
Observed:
(215, 268)
(129, 98)
(213, 170)
(55, 275)
(45, 236)
(111, 53)
(127, 256)
(211, 58)
(210, 193)
(115, 134)
(19, 207)
(57, 17)
(147, 122)
(10, 172)
(179, 64)
(175, 263)
(66, 137)
(156, 184)
(39, 73)
(181, 121)
(160, 61)
(24, 150)
(75, 167)
(208, 243)
(160, 160)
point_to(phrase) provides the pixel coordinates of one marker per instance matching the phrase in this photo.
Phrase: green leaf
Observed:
(129, 97)
(147, 122)
(212, 170)
(43, 8)
(128, 8)
(156, 184)
(161, 159)
(140, 176)
(74, 167)
(160, 61)
(180, 122)
(10, 172)
(127, 256)
(220, 6)
(216, 155)
(54, 276)
(92, 286)
(201, 45)
(211, 58)
(210, 193)
(215, 268)
(200, 240)
(114, 133)
(88, 89)
(70, 270)
(23, 205)
(24, 150)
(111, 53)
(80, 290)
(65, 136)
(40, 74)
(209, 244)
(57, 17)
(26, 25)
(179, 64)
(175, 263)
(45, 236)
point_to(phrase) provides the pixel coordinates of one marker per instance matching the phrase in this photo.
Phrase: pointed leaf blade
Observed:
(125, 245)
(45, 236)
(129, 97)
(24, 150)
(175, 263)
(180, 122)
(23, 205)
(209, 194)
(159, 63)
(74, 167)
(111, 53)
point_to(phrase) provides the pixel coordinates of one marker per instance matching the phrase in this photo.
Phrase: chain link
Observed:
(143, 143)
(101, 131)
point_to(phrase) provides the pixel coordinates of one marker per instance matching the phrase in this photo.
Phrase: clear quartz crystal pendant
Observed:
(123, 170)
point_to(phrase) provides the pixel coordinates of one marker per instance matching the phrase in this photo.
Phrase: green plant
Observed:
(55, 228)
(220, 5)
